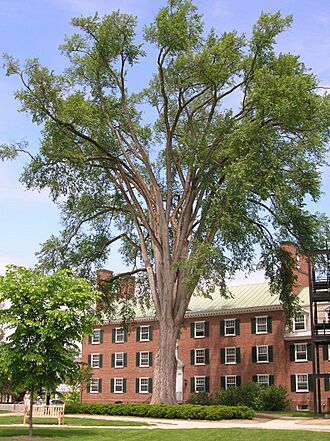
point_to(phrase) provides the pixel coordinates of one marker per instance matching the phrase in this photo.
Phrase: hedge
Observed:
(175, 411)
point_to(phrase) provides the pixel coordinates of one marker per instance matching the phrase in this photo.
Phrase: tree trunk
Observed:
(164, 377)
(31, 413)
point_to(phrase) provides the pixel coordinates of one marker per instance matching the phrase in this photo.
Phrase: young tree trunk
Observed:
(164, 377)
(31, 413)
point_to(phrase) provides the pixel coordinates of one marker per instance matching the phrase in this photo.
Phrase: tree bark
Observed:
(164, 376)
(31, 413)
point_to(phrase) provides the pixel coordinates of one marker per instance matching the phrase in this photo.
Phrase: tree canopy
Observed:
(238, 135)
(45, 317)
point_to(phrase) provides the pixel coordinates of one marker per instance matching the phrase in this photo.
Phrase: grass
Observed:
(70, 421)
(63, 434)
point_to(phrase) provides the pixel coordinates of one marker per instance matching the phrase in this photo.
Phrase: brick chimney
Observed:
(301, 270)
(126, 284)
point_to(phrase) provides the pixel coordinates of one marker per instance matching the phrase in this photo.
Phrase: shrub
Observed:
(202, 398)
(176, 411)
(256, 396)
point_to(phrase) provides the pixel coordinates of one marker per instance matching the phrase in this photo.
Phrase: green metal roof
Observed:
(242, 298)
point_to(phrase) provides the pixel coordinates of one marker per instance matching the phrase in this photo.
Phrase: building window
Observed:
(144, 333)
(299, 322)
(144, 385)
(230, 328)
(263, 379)
(302, 407)
(95, 386)
(262, 354)
(199, 329)
(199, 356)
(144, 359)
(302, 382)
(96, 337)
(95, 361)
(118, 385)
(261, 325)
(119, 360)
(200, 384)
(230, 355)
(230, 381)
(300, 352)
(119, 335)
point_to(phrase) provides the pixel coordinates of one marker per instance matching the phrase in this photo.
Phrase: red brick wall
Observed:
(282, 368)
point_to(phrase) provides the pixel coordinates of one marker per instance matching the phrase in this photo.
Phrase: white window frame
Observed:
(329, 352)
(202, 330)
(302, 407)
(145, 362)
(118, 333)
(300, 314)
(143, 381)
(258, 355)
(260, 377)
(296, 346)
(228, 356)
(327, 314)
(306, 382)
(145, 329)
(261, 317)
(227, 321)
(95, 364)
(119, 355)
(96, 337)
(94, 386)
(118, 385)
(199, 354)
(200, 383)
(231, 384)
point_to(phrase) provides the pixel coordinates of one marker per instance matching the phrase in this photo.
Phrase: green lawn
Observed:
(58, 434)
(69, 421)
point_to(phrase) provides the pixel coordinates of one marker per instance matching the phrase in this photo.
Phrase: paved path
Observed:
(262, 422)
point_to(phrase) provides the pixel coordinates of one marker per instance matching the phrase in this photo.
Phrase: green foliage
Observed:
(201, 398)
(46, 317)
(255, 396)
(182, 411)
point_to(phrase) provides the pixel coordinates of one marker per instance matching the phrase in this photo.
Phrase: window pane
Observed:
(199, 384)
(199, 329)
(230, 327)
(230, 355)
(120, 335)
(261, 323)
(230, 381)
(144, 333)
(200, 356)
(262, 353)
(144, 359)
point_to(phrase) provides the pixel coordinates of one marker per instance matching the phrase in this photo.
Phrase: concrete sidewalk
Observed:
(261, 422)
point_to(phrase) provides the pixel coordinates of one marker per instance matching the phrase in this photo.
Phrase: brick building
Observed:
(222, 343)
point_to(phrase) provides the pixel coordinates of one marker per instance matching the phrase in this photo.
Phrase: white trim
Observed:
(199, 322)
(148, 327)
(140, 358)
(123, 365)
(116, 336)
(140, 381)
(235, 351)
(302, 390)
(225, 322)
(295, 353)
(195, 385)
(195, 356)
(263, 375)
(226, 381)
(257, 353)
(94, 381)
(98, 332)
(261, 317)
(122, 385)
(99, 359)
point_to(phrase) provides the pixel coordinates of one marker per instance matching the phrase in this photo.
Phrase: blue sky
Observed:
(35, 28)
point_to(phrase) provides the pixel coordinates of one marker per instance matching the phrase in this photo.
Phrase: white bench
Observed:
(45, 412)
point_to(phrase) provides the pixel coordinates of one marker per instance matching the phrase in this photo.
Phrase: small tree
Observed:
(48, 316)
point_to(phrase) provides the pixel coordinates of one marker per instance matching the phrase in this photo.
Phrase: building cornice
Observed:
(214, 313)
